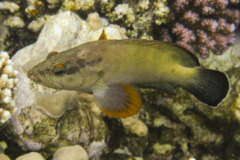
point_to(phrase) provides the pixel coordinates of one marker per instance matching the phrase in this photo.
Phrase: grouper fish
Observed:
(111, 70)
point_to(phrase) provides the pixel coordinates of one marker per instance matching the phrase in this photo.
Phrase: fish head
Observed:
(65, 71)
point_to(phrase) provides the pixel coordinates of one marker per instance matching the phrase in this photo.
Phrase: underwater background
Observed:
(41, 123)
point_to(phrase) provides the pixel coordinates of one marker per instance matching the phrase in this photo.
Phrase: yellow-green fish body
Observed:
(109, 68)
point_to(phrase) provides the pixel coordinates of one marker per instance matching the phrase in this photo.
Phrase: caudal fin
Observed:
(209, 86)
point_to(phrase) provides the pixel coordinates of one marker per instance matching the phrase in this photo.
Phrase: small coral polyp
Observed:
(8, 82)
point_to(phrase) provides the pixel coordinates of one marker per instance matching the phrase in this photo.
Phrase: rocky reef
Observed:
(49, 124)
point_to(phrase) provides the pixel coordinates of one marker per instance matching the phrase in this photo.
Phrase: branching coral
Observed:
(202, 25)
(8, 81)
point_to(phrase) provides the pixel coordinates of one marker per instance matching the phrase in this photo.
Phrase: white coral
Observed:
(11, 6)
(161, 11)
(121, 12)
(8, 81)
(74, 5)
(14, 22)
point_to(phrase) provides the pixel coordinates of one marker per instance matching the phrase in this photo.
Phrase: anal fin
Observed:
(118, 101)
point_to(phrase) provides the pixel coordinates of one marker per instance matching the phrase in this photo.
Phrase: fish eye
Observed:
(52, 54)
(59, 69)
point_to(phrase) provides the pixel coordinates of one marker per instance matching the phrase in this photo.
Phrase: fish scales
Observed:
(111, 68)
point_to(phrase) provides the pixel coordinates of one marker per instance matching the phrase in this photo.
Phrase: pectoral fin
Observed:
(118, 101)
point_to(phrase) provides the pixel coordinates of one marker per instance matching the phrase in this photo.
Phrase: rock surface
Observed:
(31, 156)
(71, 153)
(4, 157)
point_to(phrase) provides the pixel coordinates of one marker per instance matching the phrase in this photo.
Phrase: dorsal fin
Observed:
(103, 36)
(52, 54)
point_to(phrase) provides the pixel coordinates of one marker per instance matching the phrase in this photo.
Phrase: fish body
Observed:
(111, 68)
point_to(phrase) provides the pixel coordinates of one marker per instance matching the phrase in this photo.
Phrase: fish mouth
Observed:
(33, 77)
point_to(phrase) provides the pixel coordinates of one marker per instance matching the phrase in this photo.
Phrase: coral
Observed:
(10, 6)
(162, 148)
(202, 25)
(138, 17)
(14, 22)
(26, 18)
(36, 25)
(121, 11)
(95, 21)
(34, 8)
(3, 33)
(105, 5)
(30, 156)
(135, 126)
(78, 5)
(171, 126)
(3, 146)
(4, 157)
(160, 12)
(71, 153)
(8, 82)
(96, 149)
(32, 129)
(52, 4)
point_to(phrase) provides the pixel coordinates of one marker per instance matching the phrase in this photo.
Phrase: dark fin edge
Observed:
(209, 86)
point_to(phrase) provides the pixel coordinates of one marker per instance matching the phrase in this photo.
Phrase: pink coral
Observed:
(202, 25)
